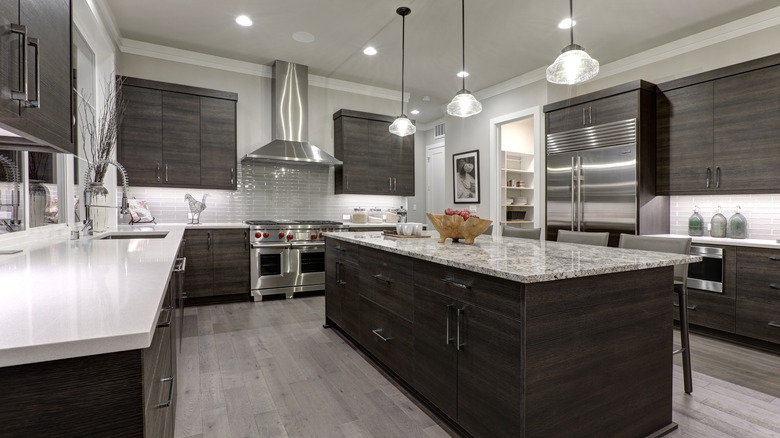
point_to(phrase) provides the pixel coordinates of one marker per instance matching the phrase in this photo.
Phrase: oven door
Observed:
(707, 274)
(308, 260)
(271, 267)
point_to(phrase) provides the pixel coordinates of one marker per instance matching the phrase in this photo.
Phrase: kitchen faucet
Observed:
(88, 191)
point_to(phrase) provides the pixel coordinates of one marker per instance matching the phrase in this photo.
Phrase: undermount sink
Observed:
(134, 235)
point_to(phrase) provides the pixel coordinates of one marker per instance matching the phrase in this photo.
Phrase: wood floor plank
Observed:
(215, 423)
(239, 412)
(269, 425)
(211, 395)
(189, 420)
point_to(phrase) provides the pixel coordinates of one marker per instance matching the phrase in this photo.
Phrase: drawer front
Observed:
(502, 296)
(348, 252)
(759, 320)
(388, 337)
(709, 310)
(758, 275)
(160, 389)
(385, 279)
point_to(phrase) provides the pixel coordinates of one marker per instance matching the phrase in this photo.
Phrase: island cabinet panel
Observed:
(599, 370)
(342, 304)
(387, 336)
(385, 279)
(217, 263)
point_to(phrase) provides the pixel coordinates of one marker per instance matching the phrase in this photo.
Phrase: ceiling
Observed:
(504, 38)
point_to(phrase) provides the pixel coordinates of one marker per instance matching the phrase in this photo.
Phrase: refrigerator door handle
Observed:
(573, 186)
(580, 214)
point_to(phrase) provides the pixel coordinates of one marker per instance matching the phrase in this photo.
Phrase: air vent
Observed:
(438, 130)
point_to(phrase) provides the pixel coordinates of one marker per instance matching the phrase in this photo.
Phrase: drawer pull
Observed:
(338, 248)
(378, 332)
(690, 306)
(382, 278)
(168, 402)
(458, 345)
(448, 337)
(167, 322)
(773, 258)
(773, 324)
(774, 286)
(456, 283)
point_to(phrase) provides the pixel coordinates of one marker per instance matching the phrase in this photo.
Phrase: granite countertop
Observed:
(522, 260)
(64, 298)
(727, 241)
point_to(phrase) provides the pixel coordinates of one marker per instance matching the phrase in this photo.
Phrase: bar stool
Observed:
(583, 237)
(677, 246)
(523, 233)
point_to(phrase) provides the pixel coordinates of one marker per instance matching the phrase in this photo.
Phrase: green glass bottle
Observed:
(718, 225)
(695, 223)
(737, 225)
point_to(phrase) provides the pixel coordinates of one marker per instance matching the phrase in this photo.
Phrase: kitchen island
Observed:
(513, 337)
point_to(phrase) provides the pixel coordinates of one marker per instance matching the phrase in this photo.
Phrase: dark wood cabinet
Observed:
(376, 162)
(217, 262)
(709, 309)
(595, 112)
(342, 303)
(43, 116)
(178, 136)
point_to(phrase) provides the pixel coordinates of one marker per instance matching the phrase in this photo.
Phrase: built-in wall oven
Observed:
(708, 273)
(288, 257)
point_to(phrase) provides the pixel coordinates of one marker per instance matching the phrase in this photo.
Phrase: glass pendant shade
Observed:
(573, 66)
(402, 126)
(464, 104)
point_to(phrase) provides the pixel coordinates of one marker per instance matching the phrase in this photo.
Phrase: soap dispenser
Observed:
(718, 228)
(737, 225)
(695, 223)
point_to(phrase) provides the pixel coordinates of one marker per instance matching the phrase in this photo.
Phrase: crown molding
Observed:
(106, 19)
(353, 87)
(430, 125)
(511, 84)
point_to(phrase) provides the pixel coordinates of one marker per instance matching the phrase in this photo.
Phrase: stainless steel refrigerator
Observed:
(599, 179)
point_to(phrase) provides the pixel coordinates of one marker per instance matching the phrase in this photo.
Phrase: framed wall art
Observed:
(465, 171)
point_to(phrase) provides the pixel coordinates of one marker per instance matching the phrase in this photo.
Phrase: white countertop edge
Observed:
(78, 348)
(727, 241)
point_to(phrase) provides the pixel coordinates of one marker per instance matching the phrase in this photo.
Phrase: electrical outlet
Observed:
(346, 217)
(414, 207)
(472, 208)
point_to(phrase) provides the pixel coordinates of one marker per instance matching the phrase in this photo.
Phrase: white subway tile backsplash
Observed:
(265, 191)
(761, 211)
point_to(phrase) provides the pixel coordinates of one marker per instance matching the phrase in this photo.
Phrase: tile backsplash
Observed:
(265, 191)
(761, 211)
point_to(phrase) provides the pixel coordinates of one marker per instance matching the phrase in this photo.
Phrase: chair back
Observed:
(523, 233)
(489, 230)
(675, 245)
(583, 237)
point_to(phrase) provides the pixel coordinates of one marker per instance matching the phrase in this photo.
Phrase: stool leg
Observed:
(684, 339)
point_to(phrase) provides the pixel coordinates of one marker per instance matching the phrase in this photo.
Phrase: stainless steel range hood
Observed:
(290, 128)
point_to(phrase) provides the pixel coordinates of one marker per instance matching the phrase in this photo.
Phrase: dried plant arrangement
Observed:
(99, 133)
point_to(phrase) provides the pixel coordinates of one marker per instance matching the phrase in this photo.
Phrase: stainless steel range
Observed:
(288, 256)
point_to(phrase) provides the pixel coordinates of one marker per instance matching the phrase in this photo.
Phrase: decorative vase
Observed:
(718, 227)
(737, 225)
(695, 223)
(100, 209)
(39, 198)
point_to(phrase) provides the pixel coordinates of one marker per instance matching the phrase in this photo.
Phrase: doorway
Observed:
(434, 180)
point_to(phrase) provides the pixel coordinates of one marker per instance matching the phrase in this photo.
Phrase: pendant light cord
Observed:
(571, 21)
(403, 50)
(463, 39)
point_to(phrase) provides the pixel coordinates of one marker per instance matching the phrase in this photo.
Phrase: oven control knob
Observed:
(313, 236)
(290, 237)
(281, 235)
(320, 235)
(258, 235)
(266, 235)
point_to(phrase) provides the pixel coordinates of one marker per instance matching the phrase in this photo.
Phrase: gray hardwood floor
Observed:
(270, 370)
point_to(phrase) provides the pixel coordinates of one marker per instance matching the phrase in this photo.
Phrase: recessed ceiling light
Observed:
(244, 20)
(303, 37)
(566, 23)
(370, 51)
(426, 98)
(415, 112)
(463, 74)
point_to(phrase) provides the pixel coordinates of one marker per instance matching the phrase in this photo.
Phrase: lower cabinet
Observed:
(758, 293)
(708, 309)
(342, 303)
(217, 262)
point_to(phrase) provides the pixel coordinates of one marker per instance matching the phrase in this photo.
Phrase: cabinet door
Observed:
(10, 57)
(609, 109)
(139, 146)
(199, 277)
(685, 140)
(218, 143)
(354, 153)
(334, 290)
(747, 132)
(403, 166)
(350, 301)
(181, 139)
(490, 377)
(382, 147)
(435, 357)
(49, 22)
(231, 261)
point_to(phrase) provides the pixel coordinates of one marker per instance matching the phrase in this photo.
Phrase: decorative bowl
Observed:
(456, 228)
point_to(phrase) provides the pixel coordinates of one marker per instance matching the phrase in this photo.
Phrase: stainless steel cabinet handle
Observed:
(159, 174)
(166, 172)
(774, 258)
(458, 345)
(773, 324)
(573, 185)
(456, 284)
(232, 175)
(21, 93)
(395, 184)
(590, 115)
(378, 332)
(580, 213)
(448, 337)
(181, 265)
(690, 306)
(168, 402)
(774, 286)
(717, 177)
(346, 177)
(338, 273)
(584, 123)
(382, 278)
(37, 102)
(167, 322)
(390, 181)
(246, 239)
(208, 240)
(338, 248)
(708, 177)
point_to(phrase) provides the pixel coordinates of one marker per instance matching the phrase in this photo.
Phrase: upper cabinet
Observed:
(35, 74)
(178, 136)
(593, 112)
(376, 162)
(718, 131)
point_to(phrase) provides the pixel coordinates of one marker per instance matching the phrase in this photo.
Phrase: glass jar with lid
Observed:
(718, 225)
(737, 225)
(695, 223)
(375, 215)
(359, 216)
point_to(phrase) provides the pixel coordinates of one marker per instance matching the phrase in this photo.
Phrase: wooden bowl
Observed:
(456, 228)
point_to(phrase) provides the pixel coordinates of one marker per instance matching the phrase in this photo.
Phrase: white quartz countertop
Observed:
(726, 241)
(67, 298)
(522, 260)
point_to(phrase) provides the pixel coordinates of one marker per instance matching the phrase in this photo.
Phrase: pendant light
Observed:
(402, 126)
(573, 65)
(464, 104)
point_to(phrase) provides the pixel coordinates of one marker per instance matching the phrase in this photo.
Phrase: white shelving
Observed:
(517, 166)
